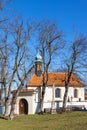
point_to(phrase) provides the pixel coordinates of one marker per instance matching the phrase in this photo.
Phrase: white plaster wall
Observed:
(36, 106)
(47, 105)
(62, 93)
(48, 94)
(29, 99)
(73, 103)
(83, 103)
(80, 93)
(71, 93)
(34, 99)
(32, 88)
(35, 103)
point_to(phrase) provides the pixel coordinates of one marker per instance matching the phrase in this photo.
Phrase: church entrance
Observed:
(23, 106)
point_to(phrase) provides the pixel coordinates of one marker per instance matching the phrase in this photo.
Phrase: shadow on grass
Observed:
(3, 117)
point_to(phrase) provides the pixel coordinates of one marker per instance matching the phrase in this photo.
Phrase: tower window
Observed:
(38, 64)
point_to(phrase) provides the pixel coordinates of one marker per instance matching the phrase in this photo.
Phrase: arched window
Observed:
(57, 93)
(75, 93)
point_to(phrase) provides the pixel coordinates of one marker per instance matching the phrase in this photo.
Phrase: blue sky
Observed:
(70, 15)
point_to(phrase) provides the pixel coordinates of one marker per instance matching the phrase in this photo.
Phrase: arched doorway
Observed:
(23, 106)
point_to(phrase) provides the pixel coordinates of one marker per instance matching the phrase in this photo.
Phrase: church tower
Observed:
(38, 64)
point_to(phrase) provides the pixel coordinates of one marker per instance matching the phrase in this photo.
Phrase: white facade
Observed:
(33, 98)
(49, 93)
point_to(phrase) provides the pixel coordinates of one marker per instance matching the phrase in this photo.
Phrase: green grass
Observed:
(65, 121)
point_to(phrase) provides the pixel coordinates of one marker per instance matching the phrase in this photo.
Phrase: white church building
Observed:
(28, 101)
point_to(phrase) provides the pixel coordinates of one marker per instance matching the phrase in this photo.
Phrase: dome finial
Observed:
(38, 56)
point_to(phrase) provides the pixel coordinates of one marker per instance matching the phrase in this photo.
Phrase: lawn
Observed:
(65, 121)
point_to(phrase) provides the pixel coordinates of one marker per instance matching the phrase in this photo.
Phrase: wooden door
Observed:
(23, 107)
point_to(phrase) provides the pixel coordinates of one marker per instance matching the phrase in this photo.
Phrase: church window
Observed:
(57, 93)
(75, 93)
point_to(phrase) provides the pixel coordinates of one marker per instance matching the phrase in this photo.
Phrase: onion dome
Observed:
(38, 57)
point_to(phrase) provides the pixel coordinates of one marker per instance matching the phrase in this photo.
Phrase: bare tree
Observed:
(74, 63)
(50, 39)
(15, 95)
(22, 66)
(17, 64)
(3, 63)
(3, 3)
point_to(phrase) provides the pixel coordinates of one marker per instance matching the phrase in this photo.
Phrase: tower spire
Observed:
(38, 64)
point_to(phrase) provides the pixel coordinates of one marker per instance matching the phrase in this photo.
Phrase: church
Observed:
(28, 101)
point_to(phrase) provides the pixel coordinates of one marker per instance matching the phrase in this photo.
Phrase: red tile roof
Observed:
(25, 90)
(58, 78)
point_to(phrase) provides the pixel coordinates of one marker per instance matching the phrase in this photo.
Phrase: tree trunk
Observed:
(42, 99)
(65, 97)
(66, 88)
(13, 103)
(15, 95)
(11, 116)
(7, 107)
(41, 105)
